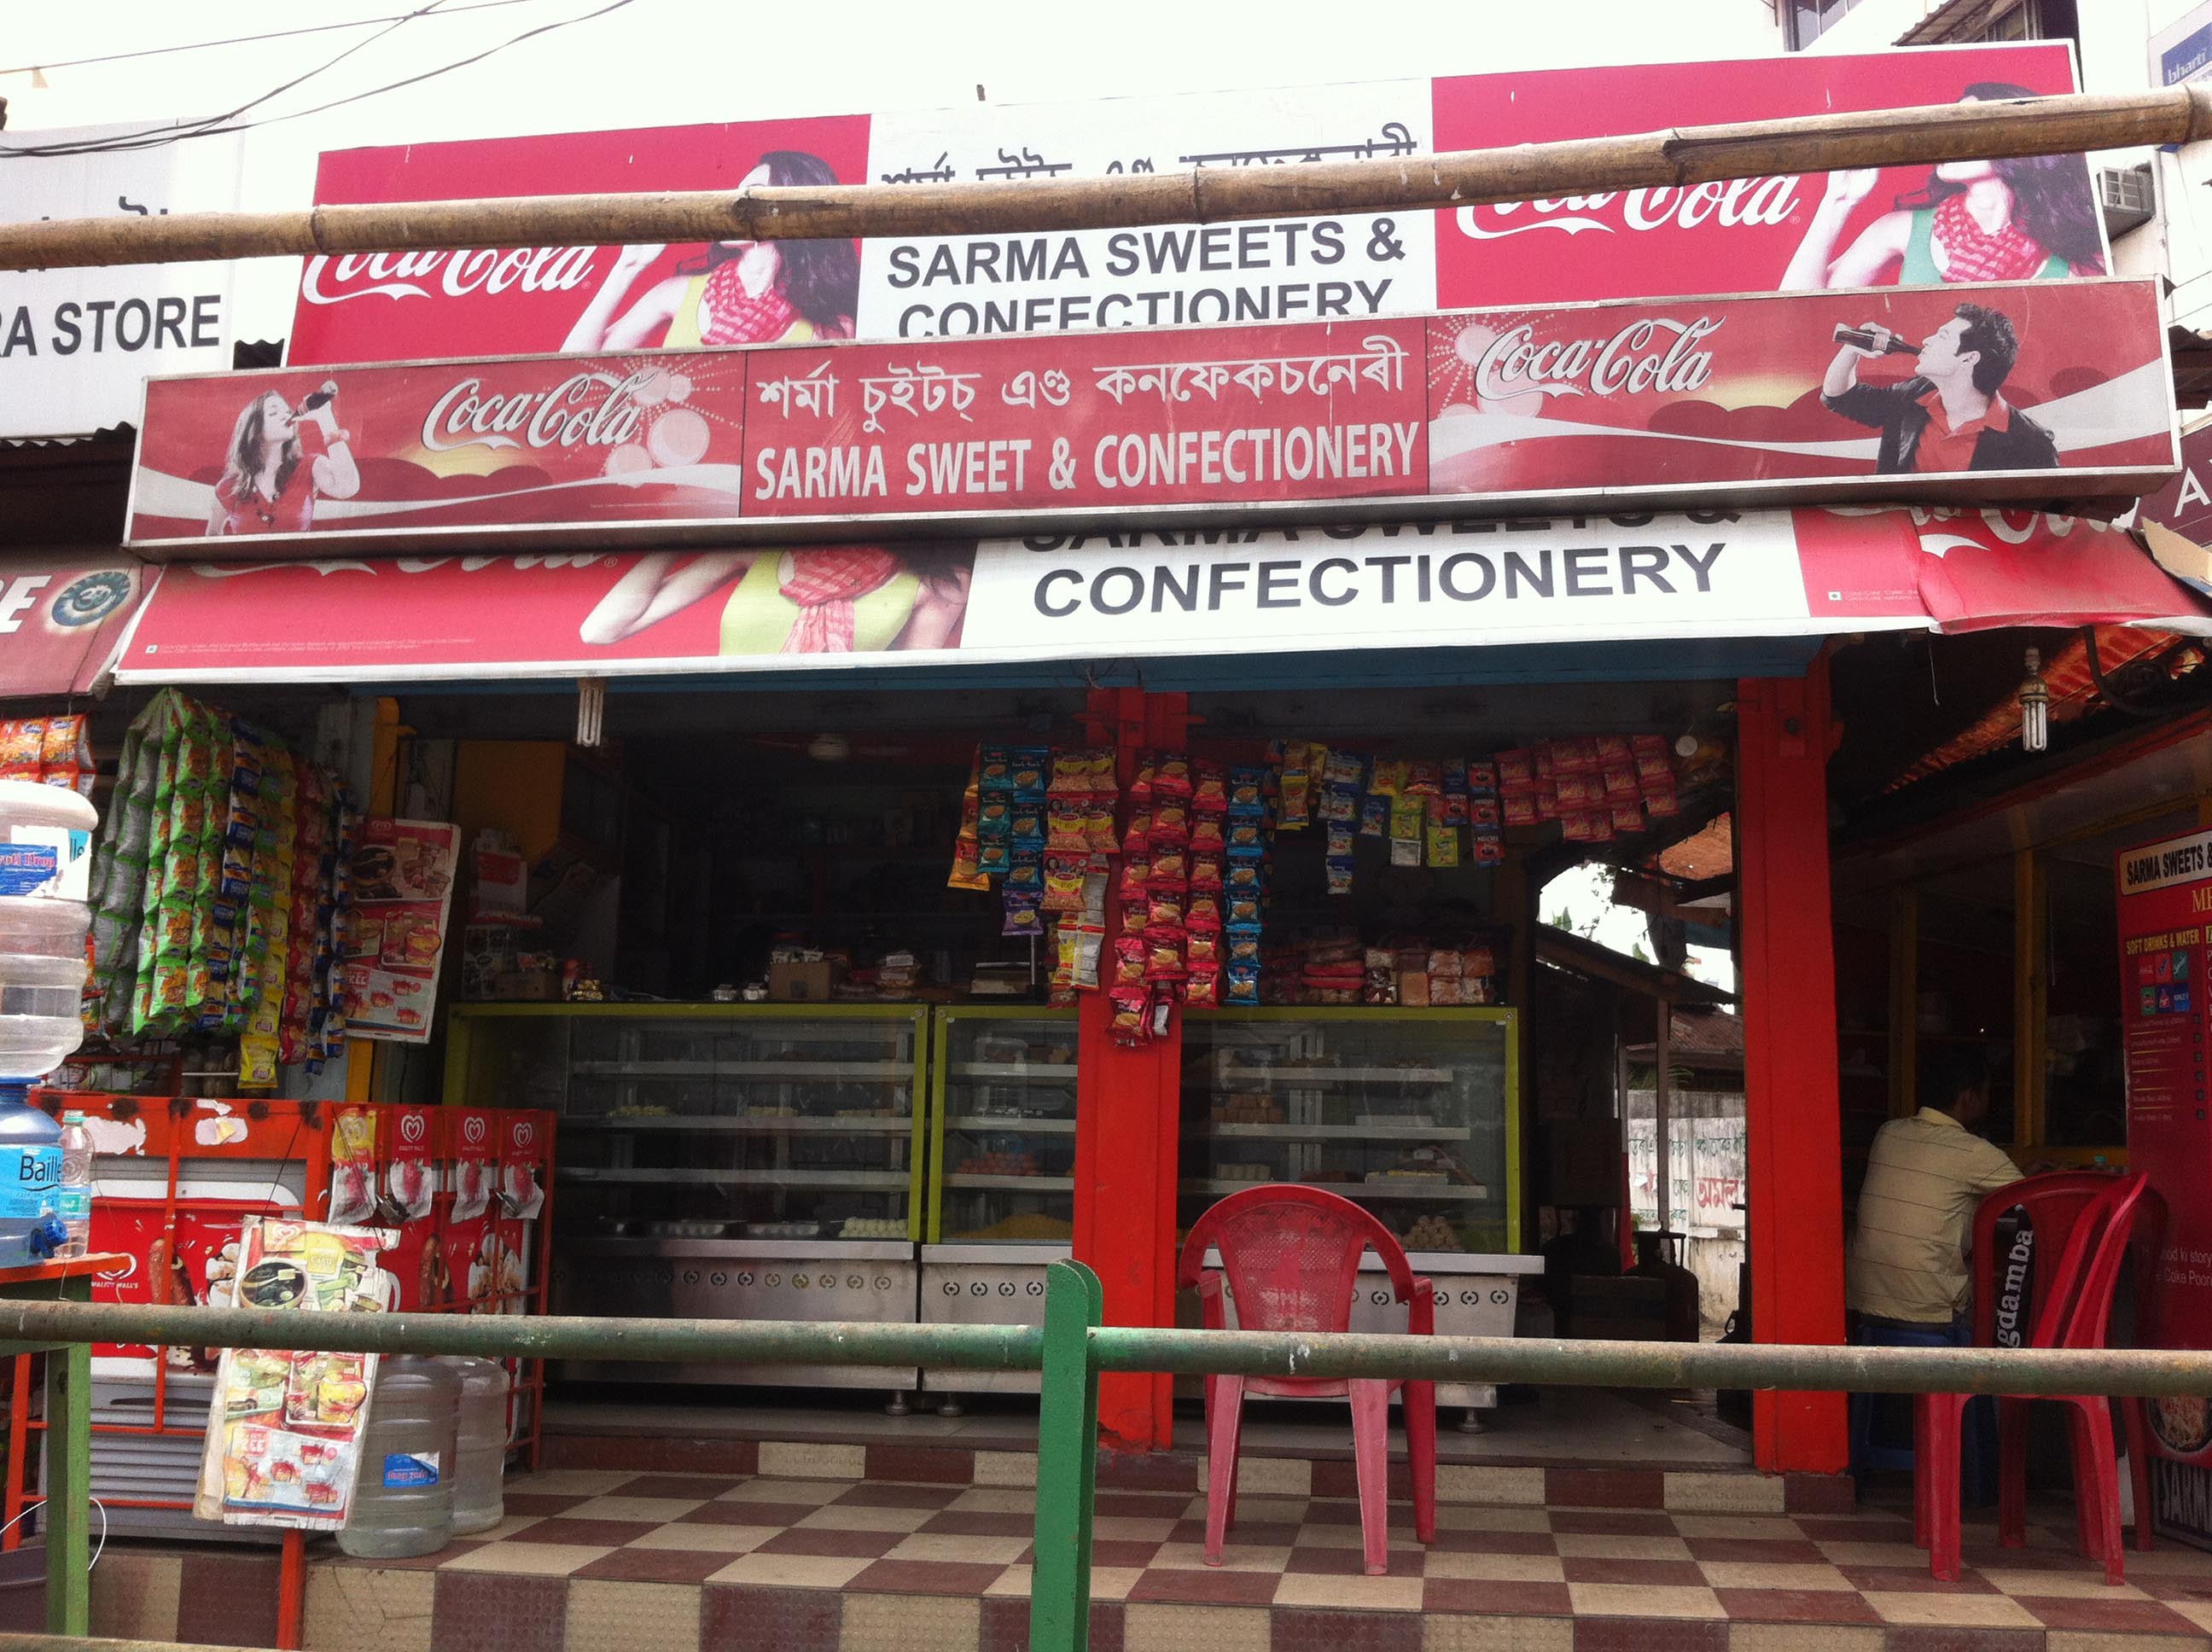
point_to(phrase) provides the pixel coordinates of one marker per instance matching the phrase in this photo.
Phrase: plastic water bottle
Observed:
(74, 1203)
(46, 835)
(479, 1496)
(403, 1498)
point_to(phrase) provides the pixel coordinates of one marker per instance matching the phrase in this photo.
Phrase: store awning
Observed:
(1108, 598)
(63, 613)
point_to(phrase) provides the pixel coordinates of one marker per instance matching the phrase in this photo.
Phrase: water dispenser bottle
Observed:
(46, 836)
(479, 1499)
(403, 1499)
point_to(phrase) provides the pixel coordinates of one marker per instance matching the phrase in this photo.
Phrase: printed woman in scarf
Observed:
(281, 459)
(2029, 219)
(813, 600)
(740, 293)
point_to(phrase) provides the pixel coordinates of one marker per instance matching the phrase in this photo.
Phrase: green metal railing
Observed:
(1074, 1347)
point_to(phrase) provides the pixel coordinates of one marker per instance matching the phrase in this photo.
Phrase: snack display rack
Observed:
(1002, 1177)
(733, 1161)
(175, 1179)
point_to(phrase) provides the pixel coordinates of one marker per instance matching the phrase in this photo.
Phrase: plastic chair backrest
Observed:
(2090, 1322)
(2079, 1293)
(1291, 1255)
(2053, 1203)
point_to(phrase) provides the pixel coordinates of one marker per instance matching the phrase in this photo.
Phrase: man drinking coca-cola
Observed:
(1949, 415)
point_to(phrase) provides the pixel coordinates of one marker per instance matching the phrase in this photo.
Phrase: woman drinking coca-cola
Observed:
(740, 292)
(281, 459)
(2031, 218)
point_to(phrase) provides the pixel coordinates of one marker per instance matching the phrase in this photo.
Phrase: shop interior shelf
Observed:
(733, 1124)
(1006, 1072)
(1458, 1192)
(646, 1070)
(1061, 1184)
(1323, 1078)
(898, 1179)
(1334, 1131)
(1014, 1127)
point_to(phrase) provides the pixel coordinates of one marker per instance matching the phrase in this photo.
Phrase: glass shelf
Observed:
(1003, 1109)
(756, 1119)
(1338, 1099)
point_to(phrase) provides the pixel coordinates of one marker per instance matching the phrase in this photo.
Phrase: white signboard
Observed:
(1348, 266)
(1248, 589)
(75, 344)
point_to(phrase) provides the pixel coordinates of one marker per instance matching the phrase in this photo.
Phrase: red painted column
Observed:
(1128, 1103)
(1787, 992)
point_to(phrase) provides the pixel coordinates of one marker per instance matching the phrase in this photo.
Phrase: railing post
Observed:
(1067, 1462)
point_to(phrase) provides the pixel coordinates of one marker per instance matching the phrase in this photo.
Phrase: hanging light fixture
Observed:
(2034, 706)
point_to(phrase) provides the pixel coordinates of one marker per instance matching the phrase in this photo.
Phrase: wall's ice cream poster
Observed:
(402, 889)
(283, 1443)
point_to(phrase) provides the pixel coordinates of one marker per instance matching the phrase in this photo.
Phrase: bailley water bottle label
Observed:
(30, 1182)
(29, 868)
(411, 1469)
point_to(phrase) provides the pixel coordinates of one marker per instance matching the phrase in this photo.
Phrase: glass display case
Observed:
(1002, 1188)
(1408, 1113)
(741, 1161)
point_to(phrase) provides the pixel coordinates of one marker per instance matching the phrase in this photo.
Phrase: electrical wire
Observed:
(158, 137)
(245, 39)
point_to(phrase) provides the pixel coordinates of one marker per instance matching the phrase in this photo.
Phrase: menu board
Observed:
(403, 893)
(283, 1440)
(2164, 909)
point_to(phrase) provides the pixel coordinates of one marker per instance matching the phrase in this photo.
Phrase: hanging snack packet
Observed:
(1138, 837)
(1171, 777)
(1243, 981)
(1128, 960)
(1063, 882)
(1068, 826)
(1489, 849)
(1628, 818)
(1612, 750)
(1201, 990)
(1516, 772)
(1203, 915)
(1169, 873)
(994, 769)
(1027, 765)
(1248, 840)
(1208, 874)
(1424, 779)
(1170, 825)
(1247, 794)
(1482, 778)
(1207, 835)
(1135, 879)
(994, 818)
(1388, 777)
(1209, 793)
(1026, 827)
(1296, 793)
(1375, 817)
(1407, 815)
(1443, 845)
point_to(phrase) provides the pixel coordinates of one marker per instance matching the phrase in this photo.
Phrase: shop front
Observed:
(883, 921)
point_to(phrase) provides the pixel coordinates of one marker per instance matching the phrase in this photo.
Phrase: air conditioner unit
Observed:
(2128, 197)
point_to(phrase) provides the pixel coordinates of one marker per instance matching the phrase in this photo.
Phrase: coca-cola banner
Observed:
(1086, 596)
(1975, 393)
(1960, 222)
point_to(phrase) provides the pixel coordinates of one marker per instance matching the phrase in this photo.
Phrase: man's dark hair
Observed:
(1948, 1072)
(1990, 334)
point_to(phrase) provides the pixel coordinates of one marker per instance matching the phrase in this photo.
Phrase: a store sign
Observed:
(1094, 596)
(76, 343)
(1904, 224)
(2164, 915)
(1738, 398)
(61, 617)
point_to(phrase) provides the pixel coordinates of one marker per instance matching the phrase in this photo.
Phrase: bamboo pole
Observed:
(1680, 157)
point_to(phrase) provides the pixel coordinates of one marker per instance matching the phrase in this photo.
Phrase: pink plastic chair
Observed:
(1291, 1257)
(2074, 1311)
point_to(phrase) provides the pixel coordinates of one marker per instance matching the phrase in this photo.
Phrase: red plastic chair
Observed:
(2074, 1311)
(2053, 1203)
(1291, 1256)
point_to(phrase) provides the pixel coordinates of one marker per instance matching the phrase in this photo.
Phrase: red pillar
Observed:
(1793, 1119)
(1128, 1103)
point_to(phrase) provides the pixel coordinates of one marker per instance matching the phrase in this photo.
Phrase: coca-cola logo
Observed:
(413, 1127)
(588, 409)
(473, 1130)
(399, 276)
(1738, 204)
(1658, 354)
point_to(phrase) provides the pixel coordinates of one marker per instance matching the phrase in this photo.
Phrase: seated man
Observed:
(1925, 1176)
